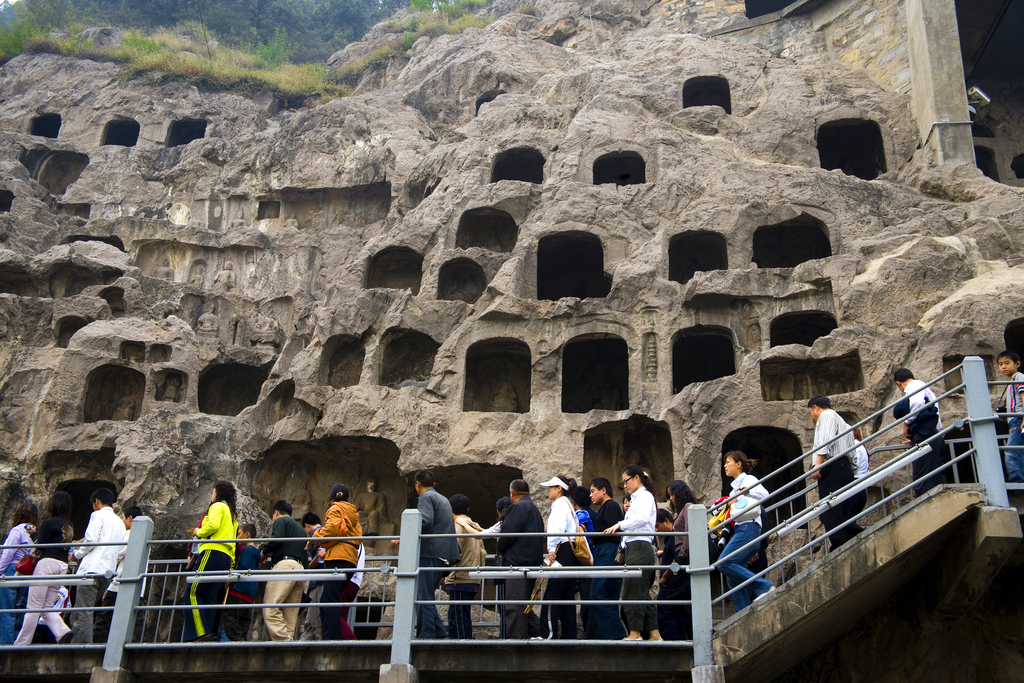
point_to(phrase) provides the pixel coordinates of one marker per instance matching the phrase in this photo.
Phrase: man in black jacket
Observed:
(285, 555)
(522, 551)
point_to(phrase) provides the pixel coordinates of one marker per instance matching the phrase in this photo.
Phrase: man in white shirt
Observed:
(101, 624)
(104, 527)
(837, 473)
(921, 428)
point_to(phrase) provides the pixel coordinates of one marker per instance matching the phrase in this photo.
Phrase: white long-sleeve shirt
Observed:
(104, 527)
(828, 427)
(751, 487)
(919, 399)
(641, 516)
(561, 520)
(862, 465)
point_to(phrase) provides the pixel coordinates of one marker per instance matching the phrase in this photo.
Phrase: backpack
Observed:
(581, 547)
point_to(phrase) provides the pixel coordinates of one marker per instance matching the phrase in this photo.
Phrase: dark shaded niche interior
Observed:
(395, 268)
(114, 392)
(67, 328)
(759, 8)
(784, 379)
(701, 354)
(268, 209)
(958, 442)
(114, 296)
(854, 146)
(487, 228)
(1013, 336)
(986, 161)
(72, 280)
(571, 264)
(620, 168)
(304, 472)
(609, 447)
(461, 280)
(185, 131)
(522, 163)
(772, 448)
(1017, 166)
(328, 207)
(595, 375)
(498, 377)
(950, 362)
(45, 125)
(112, 240)
(17, 282)
(82, 211)
(707, 91)
(133, 351)
(692, 252)
(123, 132)
(344, 364)
(790, 243)
(408, 357)
(171, 386)
(488, 97)
(230, 388)
(979, 130)
(55, 171)
(81, 491)
(6, 201)
(159, 353)
(802, 327)
(482, 483)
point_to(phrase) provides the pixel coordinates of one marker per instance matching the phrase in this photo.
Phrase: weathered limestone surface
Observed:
(262, 302)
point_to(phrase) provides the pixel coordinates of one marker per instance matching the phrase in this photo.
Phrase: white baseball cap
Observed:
(555, 481)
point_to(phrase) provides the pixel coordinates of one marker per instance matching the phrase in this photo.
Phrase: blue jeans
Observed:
(603, 621)
(428, 622)
(735, 568)
(8, 600)
(1014, 459)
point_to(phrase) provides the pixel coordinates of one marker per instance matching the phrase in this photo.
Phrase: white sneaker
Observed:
(767, 592)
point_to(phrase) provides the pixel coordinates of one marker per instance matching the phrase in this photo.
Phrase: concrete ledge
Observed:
(59, 663)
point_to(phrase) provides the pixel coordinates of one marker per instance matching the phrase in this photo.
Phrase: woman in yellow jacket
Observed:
(216, 534)
(341, 519)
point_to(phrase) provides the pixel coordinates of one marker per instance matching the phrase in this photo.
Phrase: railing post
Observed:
(122, 623)
(700, 586)
(983, 431)
(400, 668)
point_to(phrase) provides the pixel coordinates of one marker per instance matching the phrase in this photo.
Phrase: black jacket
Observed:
(287, 528)
(522, 517)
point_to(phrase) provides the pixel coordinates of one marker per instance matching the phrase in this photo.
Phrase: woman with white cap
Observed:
(560, 620)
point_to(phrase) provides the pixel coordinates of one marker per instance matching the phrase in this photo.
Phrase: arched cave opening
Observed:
(801, 327)
(521, 163)
(707, 91)
(692, 252)
(184, 131)
(571, 264)
(498, 377)
(772, 447)
(487, 228)
(73, 280)
(114, 392)
(303, 473)
(133, 351)
(1017, 166)
(112, 240)
(1013, 336)
(171, 386)
(6, 201)
(854, 146)
(123, 132)
(45, 125)
(701, 354)
(114, 296)
(17, 282)
(55, 171)
(609, 447)
(230, 388)
(268, 209)
(482, 483)
(620, 168)
(595, 374)
(461, 280)
(985, 158)
(487, 97)
(395, 268)
(343, 363)
(67, 328)
(787, 379)
(790, 243)
(408, 357)
(81, 491)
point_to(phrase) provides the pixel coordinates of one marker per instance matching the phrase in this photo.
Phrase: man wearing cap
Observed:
(522, 517)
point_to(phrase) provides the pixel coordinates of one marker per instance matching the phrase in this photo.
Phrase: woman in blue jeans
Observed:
(734, 566)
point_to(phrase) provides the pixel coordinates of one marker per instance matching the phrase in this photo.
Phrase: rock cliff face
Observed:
(520, 256)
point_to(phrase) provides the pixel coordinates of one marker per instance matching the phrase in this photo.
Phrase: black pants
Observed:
(331, 615)
(200, 619)
(834, 476)
(559, 621)
(927, 464)
(520, 624)
(101, 624)
(237, 622)
(678, 588)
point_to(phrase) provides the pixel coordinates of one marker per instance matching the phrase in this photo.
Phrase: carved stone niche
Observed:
(133, 351)
(408, 357)
(609, 447)
(461, 280)
(171, 386)
(159, 353)
(114, 392)
(772, 447)
(595, 374)
(230, 388)
(789, 379)
(114, 296)
(498, 376)
(343, 361)
(484, 484)
(67, 328)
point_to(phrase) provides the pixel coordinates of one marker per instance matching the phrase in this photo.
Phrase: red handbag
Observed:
(26, 565)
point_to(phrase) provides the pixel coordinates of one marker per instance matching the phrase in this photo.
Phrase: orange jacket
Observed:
(342, 519)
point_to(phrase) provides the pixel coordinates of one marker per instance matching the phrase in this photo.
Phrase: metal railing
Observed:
(149, 607)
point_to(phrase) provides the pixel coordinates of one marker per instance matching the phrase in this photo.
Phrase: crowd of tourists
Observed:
(452, 549)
